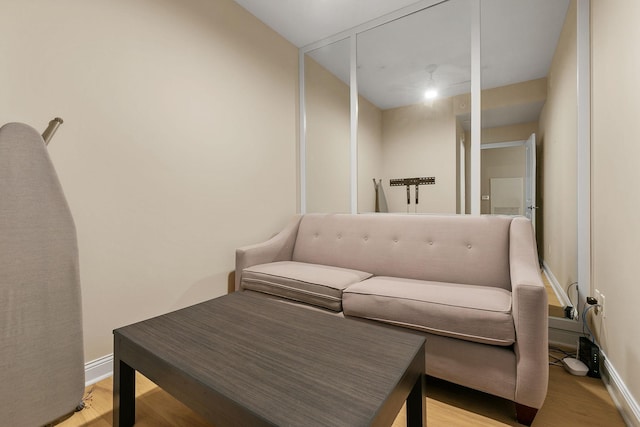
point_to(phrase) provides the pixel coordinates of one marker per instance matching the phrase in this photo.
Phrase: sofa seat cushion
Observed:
(320, 285)
(469, 312)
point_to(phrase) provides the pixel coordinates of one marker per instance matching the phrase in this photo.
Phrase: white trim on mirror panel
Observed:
(584, 151)
(476, 124)
(353, 143)
(302, 143)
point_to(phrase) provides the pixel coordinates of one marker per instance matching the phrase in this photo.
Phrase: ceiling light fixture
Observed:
(432, 91)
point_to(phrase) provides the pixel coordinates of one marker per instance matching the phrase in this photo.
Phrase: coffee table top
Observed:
(285, 365)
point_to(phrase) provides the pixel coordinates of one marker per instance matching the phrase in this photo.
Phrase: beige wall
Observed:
(369, 153)
(404, 142)
(557, 238)
(420, 140)
(504, 98)
(461, 174)
(516, 132)
(467, 172)
(179, 141)
(328, 136)
(615, 177)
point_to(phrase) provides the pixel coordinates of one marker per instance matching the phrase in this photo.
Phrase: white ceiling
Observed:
(303, 22)
(397, 61)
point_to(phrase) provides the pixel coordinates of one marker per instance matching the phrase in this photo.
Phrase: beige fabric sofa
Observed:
(470, 284)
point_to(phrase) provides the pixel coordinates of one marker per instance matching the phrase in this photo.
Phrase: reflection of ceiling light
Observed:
(431, 94)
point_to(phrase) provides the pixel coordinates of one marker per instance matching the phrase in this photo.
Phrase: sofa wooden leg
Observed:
(525, 414)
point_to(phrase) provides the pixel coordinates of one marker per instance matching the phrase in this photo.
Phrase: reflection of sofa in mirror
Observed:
(471, 285)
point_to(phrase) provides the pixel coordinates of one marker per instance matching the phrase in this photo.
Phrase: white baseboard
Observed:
(98, 369)
(555, 285)
(566, 332)
(627, 405)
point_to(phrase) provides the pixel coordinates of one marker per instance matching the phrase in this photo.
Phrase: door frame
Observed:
(517, 143)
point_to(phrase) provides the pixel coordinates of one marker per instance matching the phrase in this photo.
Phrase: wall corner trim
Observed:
(98, 369)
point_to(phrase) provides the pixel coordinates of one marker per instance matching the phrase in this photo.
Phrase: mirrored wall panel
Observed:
(327, 112)
(410, 73)
(517, 56)
(414, 109)
(529, 95)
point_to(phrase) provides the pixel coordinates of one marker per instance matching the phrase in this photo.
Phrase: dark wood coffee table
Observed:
(247, 360)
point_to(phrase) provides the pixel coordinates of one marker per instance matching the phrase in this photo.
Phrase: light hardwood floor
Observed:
(571, 401)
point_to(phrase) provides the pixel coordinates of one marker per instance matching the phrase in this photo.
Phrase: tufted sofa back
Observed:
(445, 248)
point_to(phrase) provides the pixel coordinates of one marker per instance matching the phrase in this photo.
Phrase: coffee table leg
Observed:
(124, 394)
(417, 405)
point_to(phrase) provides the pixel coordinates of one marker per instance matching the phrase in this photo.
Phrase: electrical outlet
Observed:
(601, 299)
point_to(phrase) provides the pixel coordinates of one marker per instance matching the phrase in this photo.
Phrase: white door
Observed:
(530, 180)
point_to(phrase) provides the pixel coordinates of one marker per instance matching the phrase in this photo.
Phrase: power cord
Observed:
(572, 313)
(585, 324)
(569, 291)
(556, 354)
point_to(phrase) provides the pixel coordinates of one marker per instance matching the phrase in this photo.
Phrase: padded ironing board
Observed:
(41, 350)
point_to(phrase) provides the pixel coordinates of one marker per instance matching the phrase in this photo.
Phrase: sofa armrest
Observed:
(530, 316)
(277, 248)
